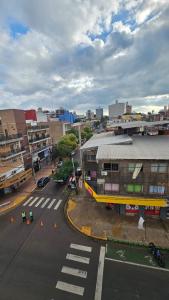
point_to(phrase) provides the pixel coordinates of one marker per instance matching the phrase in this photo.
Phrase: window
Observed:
(131, 167)
(110, 167)
(107, 167)
(156, 189)
(159, 167)
(111, 187)
(134, 188)
(91, 157)
(115, 167)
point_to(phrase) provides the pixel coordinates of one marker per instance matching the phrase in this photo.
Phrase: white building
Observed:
(118, 109)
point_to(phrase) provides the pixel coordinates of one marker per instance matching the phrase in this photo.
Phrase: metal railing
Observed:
(38, 138)
(12, 152)
(4, 138)
(37, 127)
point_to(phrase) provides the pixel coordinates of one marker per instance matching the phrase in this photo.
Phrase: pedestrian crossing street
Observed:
(84, 259)
(43, 202)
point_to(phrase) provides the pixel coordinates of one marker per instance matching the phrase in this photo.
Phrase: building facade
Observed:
(15, 158)
(133, 178)
(99, 113)
(57, 129)
(118, 109)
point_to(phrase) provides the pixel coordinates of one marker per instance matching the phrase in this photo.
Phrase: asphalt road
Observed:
(37, 257)
(122, 281)
(32, 255)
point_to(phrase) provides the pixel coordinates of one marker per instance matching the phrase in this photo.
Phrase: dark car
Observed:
(43, 181)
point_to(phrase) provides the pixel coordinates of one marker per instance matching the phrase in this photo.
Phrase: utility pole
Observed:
(80, 142)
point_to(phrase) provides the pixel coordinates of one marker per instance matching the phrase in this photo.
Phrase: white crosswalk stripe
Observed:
(71, 288)
(74, 272)
(57, 205)
(39, 202)
(44, 203)
(78, 258)
(81, 247)
(51, 203)
(27, 201)
(36, 198)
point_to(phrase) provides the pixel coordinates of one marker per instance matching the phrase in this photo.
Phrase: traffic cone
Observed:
(12, 220)
(28, 221)
(41, 223)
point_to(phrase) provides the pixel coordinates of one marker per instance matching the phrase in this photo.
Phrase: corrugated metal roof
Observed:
(106, 138)
(143, 147)
(134, 124)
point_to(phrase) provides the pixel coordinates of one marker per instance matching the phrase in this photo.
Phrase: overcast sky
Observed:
(81, 54)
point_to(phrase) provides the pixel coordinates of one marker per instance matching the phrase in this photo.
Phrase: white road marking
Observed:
(27, 201)
(98, 291)
(138, 265)
(44, 203)
(5, 203)
(50, 205)
(36, 198)
(57, 205)
(81, 247)
(39, 202)
(78, 258)
(74, 272)
(74, 289)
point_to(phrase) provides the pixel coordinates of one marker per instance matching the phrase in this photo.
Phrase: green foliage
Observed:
(55, 152)
(86, 133)
(65, 171)
(67, 144)
(74, 131)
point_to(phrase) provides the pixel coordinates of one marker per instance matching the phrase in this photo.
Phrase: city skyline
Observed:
(84, 56)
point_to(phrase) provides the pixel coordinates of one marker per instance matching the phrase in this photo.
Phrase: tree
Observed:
(86, 133)
(67, 144)
(74, 131)
(55, 152)
(65, 171)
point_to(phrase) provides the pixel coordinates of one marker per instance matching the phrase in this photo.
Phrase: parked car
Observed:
(43, 181)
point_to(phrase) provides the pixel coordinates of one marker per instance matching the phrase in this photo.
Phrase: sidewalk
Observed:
(93, 219)
(8, 202)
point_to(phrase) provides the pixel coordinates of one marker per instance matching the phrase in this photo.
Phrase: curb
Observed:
(13, 205)
(110, 239)
(77, 228)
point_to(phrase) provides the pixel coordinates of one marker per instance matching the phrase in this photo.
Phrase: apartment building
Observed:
(118, 109)
(58, 129)
(15, 158)
(131, 175)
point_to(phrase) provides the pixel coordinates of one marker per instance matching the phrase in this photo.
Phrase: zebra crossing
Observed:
(43, 202)
(75, 272)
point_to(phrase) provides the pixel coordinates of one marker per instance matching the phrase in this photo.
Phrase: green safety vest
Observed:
(23, 214)
(30, 213)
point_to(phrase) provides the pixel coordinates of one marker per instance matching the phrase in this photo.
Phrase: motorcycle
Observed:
(159, 257)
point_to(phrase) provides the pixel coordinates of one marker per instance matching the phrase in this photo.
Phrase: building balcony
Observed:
(39, 139)
(10, 138)
(39, 149)
(37, 128)
(11, 154)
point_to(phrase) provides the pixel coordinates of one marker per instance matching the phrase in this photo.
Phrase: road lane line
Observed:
(52, 202)
(57, 205)
(44, 203)
(78, 258)
(27, 201)
(136, 264)
(39, 202)
(74, 272)
(98, 290)
(81, 247)
(74, 289)
(36, 198)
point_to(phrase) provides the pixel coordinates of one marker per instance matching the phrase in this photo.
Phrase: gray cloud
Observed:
(57, 64)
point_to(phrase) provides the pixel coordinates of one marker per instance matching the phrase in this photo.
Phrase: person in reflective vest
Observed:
(31, 215)
(23, 216)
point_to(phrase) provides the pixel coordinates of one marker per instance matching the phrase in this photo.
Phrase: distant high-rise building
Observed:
(99, 113)
(89, 114)
(118, 109)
